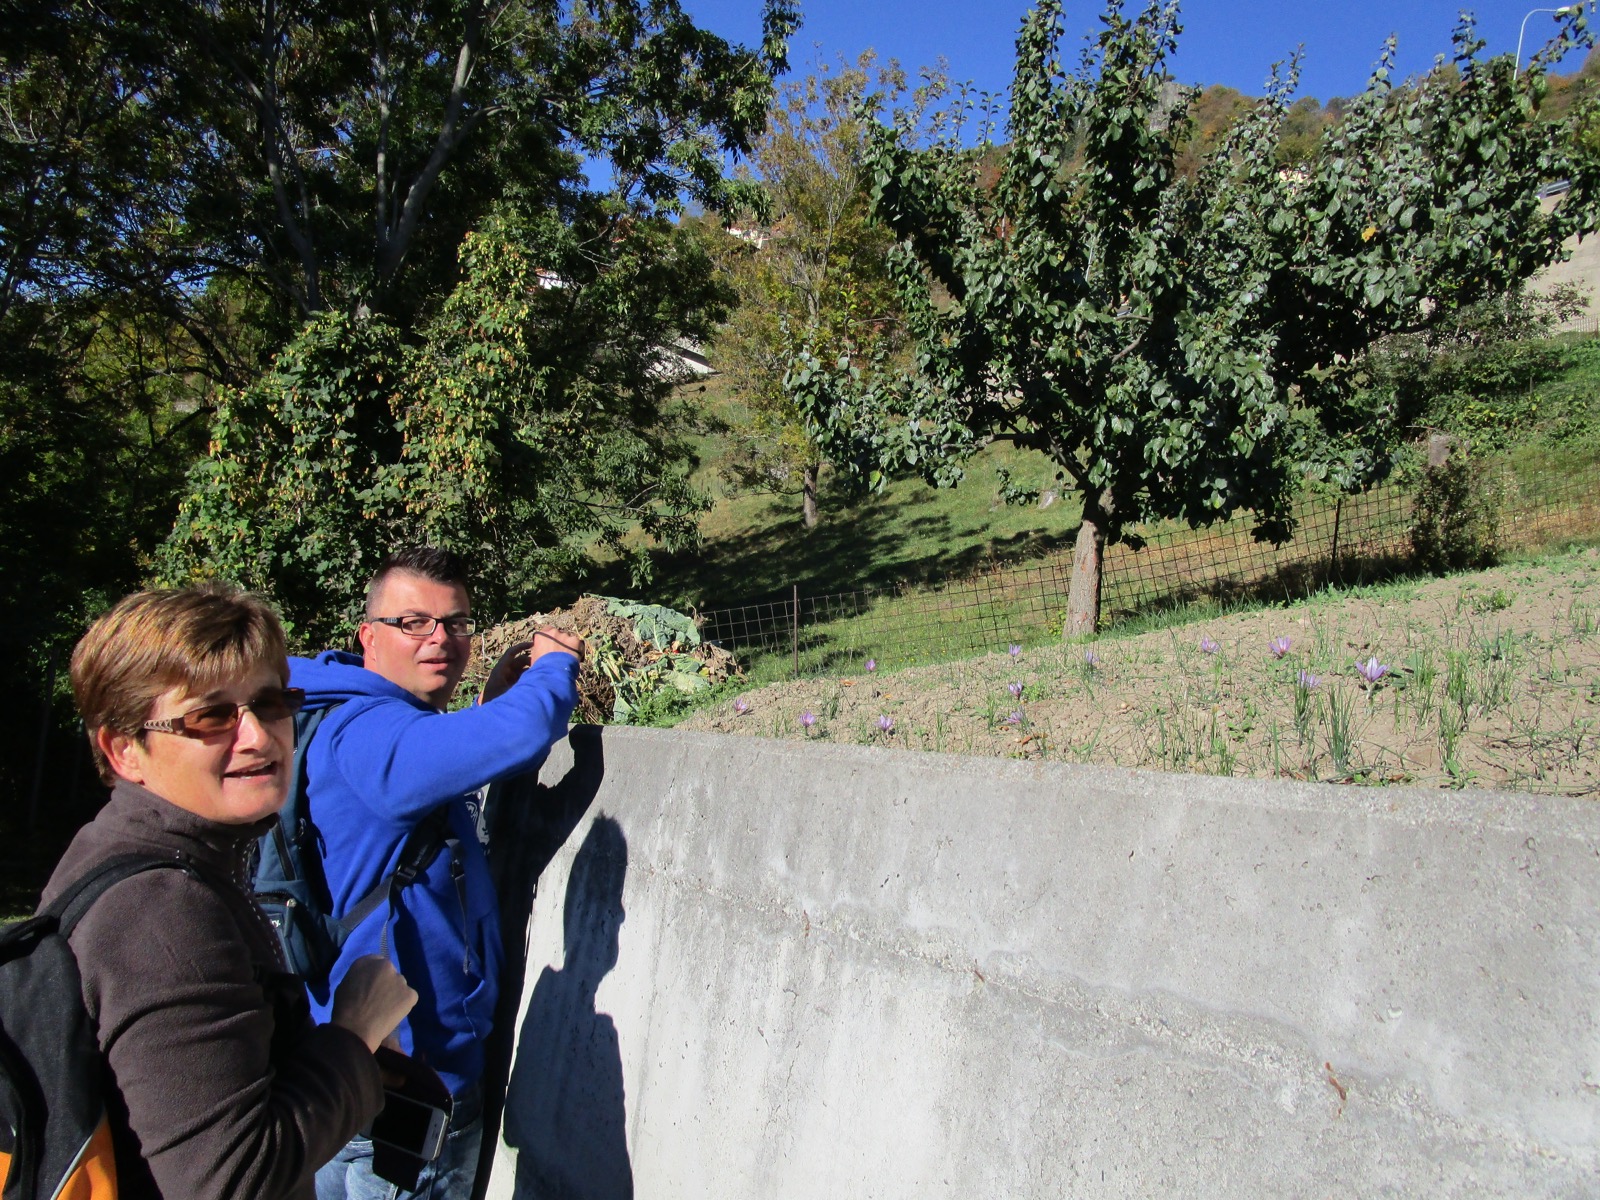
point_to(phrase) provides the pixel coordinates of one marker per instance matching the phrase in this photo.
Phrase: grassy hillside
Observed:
(756, 545)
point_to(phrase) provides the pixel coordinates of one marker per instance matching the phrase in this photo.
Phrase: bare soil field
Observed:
(1490, 680)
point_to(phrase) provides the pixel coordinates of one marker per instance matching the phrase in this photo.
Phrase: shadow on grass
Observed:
(877, 543)
(1283, 584)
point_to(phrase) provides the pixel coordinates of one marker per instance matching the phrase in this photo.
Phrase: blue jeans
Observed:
(449, 1177)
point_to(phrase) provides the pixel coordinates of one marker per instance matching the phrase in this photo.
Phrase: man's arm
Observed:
(508, 668)
(413, 759)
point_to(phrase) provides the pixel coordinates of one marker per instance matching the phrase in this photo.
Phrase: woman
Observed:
(220, 1083)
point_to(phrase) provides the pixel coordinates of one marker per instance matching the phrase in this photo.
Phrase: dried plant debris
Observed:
(635, 651)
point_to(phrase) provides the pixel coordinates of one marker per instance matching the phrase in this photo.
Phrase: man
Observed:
(379, 764)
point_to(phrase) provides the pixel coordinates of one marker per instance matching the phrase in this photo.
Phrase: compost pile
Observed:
(635, 651)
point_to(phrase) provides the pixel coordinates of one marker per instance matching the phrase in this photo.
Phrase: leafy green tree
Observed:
(530, 418)
(815, 274)
(1474, 374)
(187, 189)
(339, 152)
(353, 155)
(1186, 348)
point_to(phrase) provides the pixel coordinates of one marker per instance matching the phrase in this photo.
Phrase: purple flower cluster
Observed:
(1208, 645)
(885, 724)
(1279, 646)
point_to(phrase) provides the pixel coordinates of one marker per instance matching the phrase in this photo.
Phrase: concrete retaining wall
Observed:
(768, 969)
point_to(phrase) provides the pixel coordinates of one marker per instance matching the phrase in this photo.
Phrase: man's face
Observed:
(427, 667)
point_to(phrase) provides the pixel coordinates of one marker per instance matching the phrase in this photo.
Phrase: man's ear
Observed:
(124, 753)
(364, 638)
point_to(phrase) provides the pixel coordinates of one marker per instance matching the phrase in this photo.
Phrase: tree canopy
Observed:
(813, 273)
(410, 184)
(1185, 346)
(232, 226)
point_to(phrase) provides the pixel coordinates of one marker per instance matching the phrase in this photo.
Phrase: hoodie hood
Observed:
(335, 676)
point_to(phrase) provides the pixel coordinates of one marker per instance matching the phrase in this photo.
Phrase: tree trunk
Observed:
(808, 501)
(1083, 594)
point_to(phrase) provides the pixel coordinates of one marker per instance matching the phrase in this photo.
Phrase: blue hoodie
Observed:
(377, 765)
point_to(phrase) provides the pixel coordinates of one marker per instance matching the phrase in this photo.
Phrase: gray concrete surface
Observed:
(770, 969)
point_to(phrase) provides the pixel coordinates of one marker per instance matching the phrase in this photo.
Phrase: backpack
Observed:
(54, 1138)
(292, 889)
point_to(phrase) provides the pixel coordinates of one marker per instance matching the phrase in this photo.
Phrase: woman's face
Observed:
(235, 778)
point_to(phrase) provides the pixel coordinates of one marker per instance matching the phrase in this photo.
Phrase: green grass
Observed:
(756, 546)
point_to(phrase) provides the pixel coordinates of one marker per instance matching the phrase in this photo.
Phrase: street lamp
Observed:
(1564, 10)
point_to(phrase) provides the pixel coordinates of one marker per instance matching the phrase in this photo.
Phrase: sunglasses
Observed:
(270, 704)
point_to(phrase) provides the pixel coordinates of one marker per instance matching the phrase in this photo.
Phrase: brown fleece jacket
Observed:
(221, 1086)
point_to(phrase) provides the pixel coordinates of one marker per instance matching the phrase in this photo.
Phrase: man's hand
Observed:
(372, 999)
(547, 641)
(518, 658)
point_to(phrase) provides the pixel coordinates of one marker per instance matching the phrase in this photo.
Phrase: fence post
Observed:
(796, 629)
(1338, 512)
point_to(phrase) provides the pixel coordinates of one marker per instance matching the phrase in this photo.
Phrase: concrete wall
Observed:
(767, 969)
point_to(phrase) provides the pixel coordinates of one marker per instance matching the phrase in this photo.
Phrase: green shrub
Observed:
(1453, 524)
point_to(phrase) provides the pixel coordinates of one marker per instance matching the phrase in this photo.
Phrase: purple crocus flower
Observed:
(1279, 646)
(1016, 717)
(1208, 646)
(1372, 670)
(1091, 659)
(1015, 651)
(872, 664)
(1015, 689)
(886, 723)
(808, 718)
(741, 706)
(1307, 680)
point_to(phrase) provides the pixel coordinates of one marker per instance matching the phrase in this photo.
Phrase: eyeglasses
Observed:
(418, 626)
(272, 704)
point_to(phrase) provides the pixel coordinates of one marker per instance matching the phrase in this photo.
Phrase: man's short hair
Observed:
(430, 562)
(197, 638)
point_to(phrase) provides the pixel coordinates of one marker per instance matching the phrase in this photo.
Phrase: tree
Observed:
(188, 189)
(1473, 375)
(484, 360)
(815, 275)
(1186, 348)
(528, 420)
(351, 146)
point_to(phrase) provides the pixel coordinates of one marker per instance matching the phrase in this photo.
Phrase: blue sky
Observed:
(1224, 41)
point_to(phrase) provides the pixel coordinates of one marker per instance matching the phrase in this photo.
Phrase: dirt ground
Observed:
(1492, 680)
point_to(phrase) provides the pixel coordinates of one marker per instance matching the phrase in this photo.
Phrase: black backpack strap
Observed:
(421, 847)
(70, 907)
(305, 724)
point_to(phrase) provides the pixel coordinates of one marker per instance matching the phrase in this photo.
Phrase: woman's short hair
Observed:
(198, 638)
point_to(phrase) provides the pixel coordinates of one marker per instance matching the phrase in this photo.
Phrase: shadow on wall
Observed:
(565, 1110)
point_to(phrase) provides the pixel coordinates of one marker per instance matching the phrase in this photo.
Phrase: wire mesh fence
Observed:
(1347, 540)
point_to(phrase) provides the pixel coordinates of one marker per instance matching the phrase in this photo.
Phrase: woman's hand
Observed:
(372, 999)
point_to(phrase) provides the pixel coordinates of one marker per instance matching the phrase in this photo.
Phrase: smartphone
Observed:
(411, 1125)
(416, 1108)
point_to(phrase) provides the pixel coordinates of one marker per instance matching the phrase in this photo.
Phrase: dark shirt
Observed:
(221, 1085)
